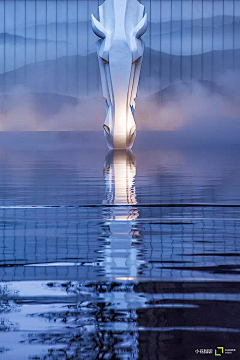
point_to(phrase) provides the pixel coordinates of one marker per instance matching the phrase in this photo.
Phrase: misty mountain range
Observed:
(49, 104)
(46, 104)
(177, 89)
(71, 29)
(10, 39)
(48, 56)
(175, 25)
(22, 46)
(66, 31)
(79, 75)
(196, 40)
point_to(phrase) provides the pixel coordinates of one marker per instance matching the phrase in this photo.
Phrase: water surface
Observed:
(124, 255)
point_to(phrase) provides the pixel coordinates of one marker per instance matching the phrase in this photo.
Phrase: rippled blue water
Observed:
(117, 255)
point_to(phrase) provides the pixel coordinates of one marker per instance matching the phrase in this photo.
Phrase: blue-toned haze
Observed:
(49, 69)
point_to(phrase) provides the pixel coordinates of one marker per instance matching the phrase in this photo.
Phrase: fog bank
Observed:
(199, 108)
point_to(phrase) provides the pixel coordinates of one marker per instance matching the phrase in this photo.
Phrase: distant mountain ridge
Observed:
(183, 88)
(175, 25)
(18, 39)
(60, 75)
(195, 40)
(47, 104)
(58, 30)
(164, 26)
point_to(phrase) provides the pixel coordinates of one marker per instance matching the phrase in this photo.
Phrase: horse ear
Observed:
(140, 28)
(98, 28)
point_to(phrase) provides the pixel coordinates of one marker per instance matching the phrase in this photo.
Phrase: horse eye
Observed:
(107, 129)
(105, 61)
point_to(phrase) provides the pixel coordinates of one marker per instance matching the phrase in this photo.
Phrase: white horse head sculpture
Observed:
(120, 50)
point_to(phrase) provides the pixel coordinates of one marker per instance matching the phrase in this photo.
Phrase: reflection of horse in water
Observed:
(122, 255)
(123, 235)
(119, 172)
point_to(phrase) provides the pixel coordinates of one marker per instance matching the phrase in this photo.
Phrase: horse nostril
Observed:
(107, 129)
(135, 61)
(105, 61)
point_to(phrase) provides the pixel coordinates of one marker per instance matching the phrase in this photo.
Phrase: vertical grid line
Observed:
(160, 65)
(212, 57)
(67, 47)
(223, 34)
(46, 32)
(56, 75)
(77, 49)
(171, 42)
(14, 42)
(181, 15)
(191, 55)
(150, 57)
(4, 45)
(35, 31)
(87, 46)
(234, 17)
(46, 47)
(202, 46)
(99, 80)
(25, 42)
